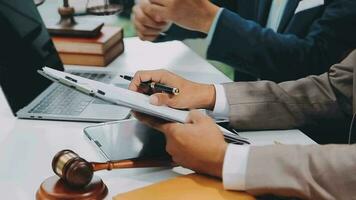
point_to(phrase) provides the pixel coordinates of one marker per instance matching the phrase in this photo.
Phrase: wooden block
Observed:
(53, 188)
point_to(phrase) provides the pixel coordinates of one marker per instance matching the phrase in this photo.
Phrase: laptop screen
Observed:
(25, 47)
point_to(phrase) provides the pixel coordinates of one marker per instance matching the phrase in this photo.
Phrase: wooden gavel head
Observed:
(74, 170)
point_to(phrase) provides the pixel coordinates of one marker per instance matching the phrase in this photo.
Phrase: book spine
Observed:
(86, 46)
(113, 40)
(93, 59)
(89, 48)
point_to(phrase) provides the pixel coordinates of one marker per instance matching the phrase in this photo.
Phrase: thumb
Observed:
(159, 99)
(195, 116)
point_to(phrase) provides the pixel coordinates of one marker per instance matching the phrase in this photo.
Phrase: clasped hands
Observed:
(198, 144)
(152, 17)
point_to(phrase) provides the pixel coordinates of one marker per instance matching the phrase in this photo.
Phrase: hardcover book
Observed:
(100, 45)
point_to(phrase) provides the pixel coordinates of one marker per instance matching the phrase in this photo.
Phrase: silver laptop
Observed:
(25, 47)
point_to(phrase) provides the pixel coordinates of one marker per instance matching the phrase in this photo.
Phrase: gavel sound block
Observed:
(55, 188)
(76, 180)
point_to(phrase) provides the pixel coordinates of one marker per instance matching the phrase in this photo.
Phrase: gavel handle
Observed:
(134, 163)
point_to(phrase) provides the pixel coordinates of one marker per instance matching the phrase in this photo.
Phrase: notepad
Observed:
(136, 101)
(189, 187)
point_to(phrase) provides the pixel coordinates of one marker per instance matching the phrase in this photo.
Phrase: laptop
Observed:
(25, 47)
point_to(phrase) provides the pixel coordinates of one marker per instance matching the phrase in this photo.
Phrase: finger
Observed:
(148, 120)
(147, 37)
(146, 30)
(195, 116)
(136, 80)
(161, 125)
(148, 21)
(160, 99)
(144, 27)
(158, 76)
(157, 12)
(159, 2)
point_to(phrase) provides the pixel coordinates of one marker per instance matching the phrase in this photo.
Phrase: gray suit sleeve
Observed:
(267, 105)
(307, 172)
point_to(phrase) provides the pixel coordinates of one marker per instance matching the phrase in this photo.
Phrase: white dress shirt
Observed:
(236, 156)
(276, 14)
(235, 161)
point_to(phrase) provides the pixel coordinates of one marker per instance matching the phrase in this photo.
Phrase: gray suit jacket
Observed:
(315, 101)
(308, 172)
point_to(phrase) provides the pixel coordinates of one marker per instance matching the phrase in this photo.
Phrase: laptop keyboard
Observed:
(66, 101)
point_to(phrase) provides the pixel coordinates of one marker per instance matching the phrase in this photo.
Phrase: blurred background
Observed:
(49, 13)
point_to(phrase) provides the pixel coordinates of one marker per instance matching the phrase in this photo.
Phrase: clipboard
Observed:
(123, 97)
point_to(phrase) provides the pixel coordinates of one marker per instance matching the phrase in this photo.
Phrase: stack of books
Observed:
(98, 51)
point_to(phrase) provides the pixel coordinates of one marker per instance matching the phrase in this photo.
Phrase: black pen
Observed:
(154, 85)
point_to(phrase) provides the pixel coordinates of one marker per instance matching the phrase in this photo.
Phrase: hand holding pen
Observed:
(191, 95)
(159, 87)
(199, 137)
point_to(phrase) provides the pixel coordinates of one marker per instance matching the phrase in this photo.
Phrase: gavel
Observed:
(77, 172)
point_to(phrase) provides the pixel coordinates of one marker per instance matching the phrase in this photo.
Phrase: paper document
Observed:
(124, 97)
(136, 101)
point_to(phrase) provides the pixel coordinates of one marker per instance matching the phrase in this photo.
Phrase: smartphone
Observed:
(126, 139)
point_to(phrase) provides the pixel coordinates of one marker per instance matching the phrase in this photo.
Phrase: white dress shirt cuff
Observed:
(213, 27)
(235, 166)
(221, 108)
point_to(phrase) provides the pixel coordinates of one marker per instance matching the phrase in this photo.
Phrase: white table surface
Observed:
(28, 146)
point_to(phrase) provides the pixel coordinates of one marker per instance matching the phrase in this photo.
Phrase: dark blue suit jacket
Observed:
(307, 42)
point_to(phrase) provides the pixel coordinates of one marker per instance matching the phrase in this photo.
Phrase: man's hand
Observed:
(191, 94)
(198, 145)
(146, 27)
(195, 15)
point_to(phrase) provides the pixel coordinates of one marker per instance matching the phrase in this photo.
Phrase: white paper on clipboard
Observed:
(136, 101)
